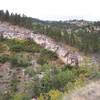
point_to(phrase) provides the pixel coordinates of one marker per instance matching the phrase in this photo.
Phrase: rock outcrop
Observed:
(65, 54)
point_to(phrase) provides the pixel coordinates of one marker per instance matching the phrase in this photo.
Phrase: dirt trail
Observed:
(89, 92)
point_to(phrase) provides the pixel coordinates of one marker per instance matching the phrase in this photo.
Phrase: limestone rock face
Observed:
(66, 55)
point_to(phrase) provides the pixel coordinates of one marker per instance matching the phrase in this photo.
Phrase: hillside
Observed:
(47, 60)
(66, 53)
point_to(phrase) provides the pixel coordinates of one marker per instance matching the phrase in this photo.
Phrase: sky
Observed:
(55, 9)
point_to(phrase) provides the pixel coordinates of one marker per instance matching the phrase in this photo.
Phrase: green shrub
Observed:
(64, 77)
(3, 47)
(41, 60)
(49, 55)
(51, 95)
(16, 48)
(46, 67)
(3, 58)
(14, 83)
(19, 62)
(23, 45)
(21, 96)
(30, 71)
(6, 96)
(13, 61)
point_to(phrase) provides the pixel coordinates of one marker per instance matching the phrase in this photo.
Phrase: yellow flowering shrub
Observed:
(55, 94)
(51, 95)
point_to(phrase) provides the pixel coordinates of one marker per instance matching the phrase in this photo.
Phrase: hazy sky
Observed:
(55, 9)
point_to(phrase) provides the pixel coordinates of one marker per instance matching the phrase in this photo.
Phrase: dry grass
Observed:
(89, 92)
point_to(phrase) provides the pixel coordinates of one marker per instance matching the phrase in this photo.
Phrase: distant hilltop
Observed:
(27, 22)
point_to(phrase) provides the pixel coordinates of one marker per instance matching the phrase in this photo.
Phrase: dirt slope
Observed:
(89, 92)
